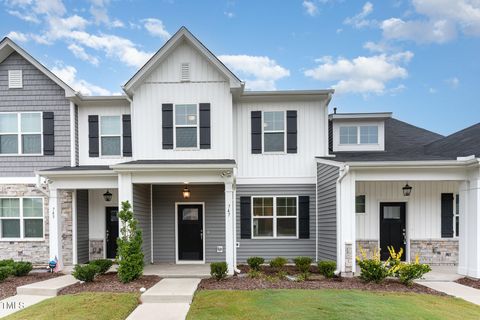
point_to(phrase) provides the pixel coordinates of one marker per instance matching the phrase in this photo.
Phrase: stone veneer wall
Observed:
(67, 227)
(368, 246)
(36, 252)
(435, 251)
(96, 249)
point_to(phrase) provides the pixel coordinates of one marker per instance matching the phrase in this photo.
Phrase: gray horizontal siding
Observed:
(271, 248)
(39, 93)
(164, 199)
(327, 211)
(142, 212)
(82, 226)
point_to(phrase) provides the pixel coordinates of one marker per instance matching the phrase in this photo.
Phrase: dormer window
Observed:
(15, 79)
(352, 135)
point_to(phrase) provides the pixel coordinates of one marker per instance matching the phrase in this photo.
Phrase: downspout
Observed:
(316, 219)
(343, 172)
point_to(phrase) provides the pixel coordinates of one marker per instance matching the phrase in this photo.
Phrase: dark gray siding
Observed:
(271, 248)
(82, 226)
(327, 211)
(142, 212)
(39, 93)
(164, 199)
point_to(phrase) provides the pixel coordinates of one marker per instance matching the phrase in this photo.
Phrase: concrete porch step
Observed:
(171, 291)
(48, 288)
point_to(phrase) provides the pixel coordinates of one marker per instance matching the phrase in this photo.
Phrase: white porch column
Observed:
(469, 242)
(125, 193)
(55, 226)
(346, 244)
(229, 228)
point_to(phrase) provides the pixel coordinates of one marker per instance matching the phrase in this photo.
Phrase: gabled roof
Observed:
(182, 34)
(463, 143)
(7, 47)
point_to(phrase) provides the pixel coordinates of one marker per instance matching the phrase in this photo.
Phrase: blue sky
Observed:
(416, 58)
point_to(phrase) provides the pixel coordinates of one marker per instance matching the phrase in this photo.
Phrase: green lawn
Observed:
(81, 306)
(327, 304)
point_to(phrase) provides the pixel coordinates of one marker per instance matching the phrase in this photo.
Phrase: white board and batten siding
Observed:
(117, 109)
(423, 207)
(165, 85)
(311, 142)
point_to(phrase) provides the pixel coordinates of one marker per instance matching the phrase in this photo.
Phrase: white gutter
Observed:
(410, 164)
(169, 167)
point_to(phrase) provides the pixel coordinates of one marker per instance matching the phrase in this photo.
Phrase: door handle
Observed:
(201, 234)
(404, 236)
(107, 235)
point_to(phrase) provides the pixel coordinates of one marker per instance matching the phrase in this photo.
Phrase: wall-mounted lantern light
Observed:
(107, 196)
(186, 193)
(407, 190)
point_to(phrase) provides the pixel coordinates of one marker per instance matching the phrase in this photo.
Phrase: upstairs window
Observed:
(352, 135)
(21, 133)
(274, 131)
(110, 136)
(186, 126)
(15, 79)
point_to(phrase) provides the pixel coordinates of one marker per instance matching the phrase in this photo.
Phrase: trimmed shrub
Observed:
(373, 269)
(103, 265)
(254, 274)
(86, 272)
(327, 268)
(411, 271)
(7, 263)
(218, 270)
(303, 264)
(255, 262)
(22, 268)
(5, 272)
(278, 263)
(130, 255)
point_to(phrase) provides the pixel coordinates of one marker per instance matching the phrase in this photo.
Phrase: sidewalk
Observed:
(454, 289)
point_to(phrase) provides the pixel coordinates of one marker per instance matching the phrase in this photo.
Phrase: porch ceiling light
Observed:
(407, 190)
(186, 193)
(107, 196)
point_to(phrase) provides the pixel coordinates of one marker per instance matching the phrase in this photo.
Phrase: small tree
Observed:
(129, 254)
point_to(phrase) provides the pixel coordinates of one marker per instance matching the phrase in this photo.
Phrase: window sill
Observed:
(22, 239)
(186, 149)
(275, 153)
(21, 155)
(275, 238)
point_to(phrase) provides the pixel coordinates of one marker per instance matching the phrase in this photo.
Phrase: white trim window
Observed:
(21, 218)
(358, 135)
(456, 217)
(110, 136)
(186, 126)
(274, 131)
(21, 133)
(360, 205)
(275, 217)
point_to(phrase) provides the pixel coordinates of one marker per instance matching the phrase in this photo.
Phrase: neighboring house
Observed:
(218, 173)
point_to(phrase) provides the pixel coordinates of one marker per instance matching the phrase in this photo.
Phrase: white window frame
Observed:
(456, 214)
(175, 126)
(22, 219)
(365, 204)
(274, 217)
(284, 131)
(19, 134)
(110, 135)
(358, 135)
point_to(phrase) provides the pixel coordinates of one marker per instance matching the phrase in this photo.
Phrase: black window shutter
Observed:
(447, 215)
(245, 218)
(93, 136)
(204, 125)
(292, 131)
(127, 135)
(48, 134)
(256, 131)
(304, 217)
(167, 126)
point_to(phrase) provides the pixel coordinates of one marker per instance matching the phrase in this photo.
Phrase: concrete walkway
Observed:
(171, 270)
(34, 293)
(454, 289)
(169, 299)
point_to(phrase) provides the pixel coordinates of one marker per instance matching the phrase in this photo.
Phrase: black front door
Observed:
(112, 231)
(190, 232)
(392, 228)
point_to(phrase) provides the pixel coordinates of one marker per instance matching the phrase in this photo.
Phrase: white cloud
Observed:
(359, 20)
(69, 75)
(432, 90)
(24, 16)
(50, 7)
(453, 82)
(17, 36)
(310, 7)
(361, 74)
(80, 53)
(440, 31)
(260, 72)
(379, 47)
(156, 28)
(99, 11)
(229, 14)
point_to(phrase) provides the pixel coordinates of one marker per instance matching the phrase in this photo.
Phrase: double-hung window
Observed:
(456, 216)
(186, 126)
(21, 218)
(359, 135)
(275, 217)
(111, 135)
(274, 131)
(21, 133)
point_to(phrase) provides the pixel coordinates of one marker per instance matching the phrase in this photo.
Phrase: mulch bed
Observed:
(9, 286)
(243, 282)
(469, 282)
(109, 283)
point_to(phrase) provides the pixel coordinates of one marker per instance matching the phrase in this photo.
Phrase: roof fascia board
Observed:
(72, 173)
(411, 164)
(168, 167)
(289, 95)
(358, 116)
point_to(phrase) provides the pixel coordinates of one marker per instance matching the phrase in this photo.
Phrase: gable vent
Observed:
(185, 72)
(15, 80)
